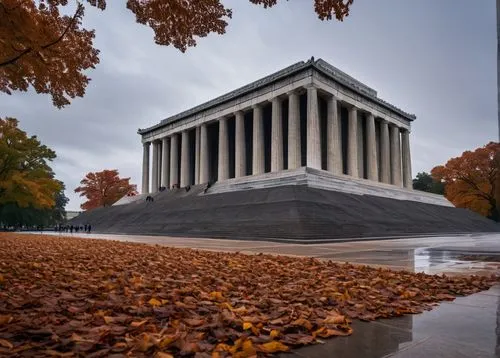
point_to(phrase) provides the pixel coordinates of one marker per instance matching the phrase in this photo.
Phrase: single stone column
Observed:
(154, 171)
(197, 156)
(294, 157)
(276, 136)
(185, 162)
(334, 152)
(258, 141)
(145, 167)
(385, 157)
(204, 155)
(352, 143)
(371, 150)
(395, 156)
(240, 146)
(174, 160)
(407, 178)
(165, 165)
(313, 128)
(223, 150)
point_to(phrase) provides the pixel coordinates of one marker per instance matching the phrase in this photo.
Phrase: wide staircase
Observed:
(296, 213)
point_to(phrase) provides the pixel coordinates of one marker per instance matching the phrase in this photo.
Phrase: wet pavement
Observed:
(467, 327)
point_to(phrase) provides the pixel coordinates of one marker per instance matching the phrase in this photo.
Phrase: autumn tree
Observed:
(471, 180)
(104, 189)
(42, 47)
(425, 182)
(26, 179)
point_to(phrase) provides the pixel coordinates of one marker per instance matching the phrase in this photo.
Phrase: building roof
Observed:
(320, 65)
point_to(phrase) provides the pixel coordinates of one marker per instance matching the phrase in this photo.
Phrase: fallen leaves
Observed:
(79, 297)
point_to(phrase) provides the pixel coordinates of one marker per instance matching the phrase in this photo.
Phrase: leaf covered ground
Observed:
(80, 297)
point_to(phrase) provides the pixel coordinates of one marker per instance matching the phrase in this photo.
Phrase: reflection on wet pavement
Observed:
(466, 327)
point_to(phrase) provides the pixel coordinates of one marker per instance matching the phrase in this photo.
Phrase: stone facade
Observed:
(309, 114)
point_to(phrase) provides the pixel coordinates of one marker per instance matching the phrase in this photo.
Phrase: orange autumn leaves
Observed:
(104, 188)
(472, 180)
(77, 297)
(52, 52)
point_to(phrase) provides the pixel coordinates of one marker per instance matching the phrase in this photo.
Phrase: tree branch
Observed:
(77, 14)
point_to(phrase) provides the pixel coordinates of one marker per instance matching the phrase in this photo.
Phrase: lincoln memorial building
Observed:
(309, 114)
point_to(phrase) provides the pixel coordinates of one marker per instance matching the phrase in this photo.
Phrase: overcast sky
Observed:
(436, 59)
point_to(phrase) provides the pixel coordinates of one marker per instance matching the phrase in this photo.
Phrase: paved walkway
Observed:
(466, 327)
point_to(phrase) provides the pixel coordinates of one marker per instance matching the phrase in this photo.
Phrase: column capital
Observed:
(146, 144)
(256, 106)
(274, 99)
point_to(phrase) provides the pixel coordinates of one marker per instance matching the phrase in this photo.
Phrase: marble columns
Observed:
(395, 156)
(385, 157)
(204, 154)
(276, 136)
(407, 178)
(223, 173)
(185, 160)
(371, 150)
(174, 160)
(165, 162)
(258, 141)
(240, 145)
(145, 167)
(154, 172)
(352, 143)
(391, 166)
(294, 148)
(334, 143)
(313, 129)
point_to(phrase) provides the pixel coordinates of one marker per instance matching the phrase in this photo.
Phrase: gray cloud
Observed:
(432, 58)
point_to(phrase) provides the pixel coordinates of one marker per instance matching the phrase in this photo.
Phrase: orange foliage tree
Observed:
(471, 180)
(42, 48)
(104, 189)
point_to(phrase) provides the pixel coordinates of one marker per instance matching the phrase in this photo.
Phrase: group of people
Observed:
(87, 228)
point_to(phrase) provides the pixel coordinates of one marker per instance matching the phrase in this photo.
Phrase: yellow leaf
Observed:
(163, 355)
(248, 348)
(168, 340)
(302, 322)
(216, 296)
(215, 354)
(247, 325)
(222, 347)
(334, 319)
(136, 324)
(274, 333)
(5, 343)
(108, 319)
(154, 302)
(273, 347)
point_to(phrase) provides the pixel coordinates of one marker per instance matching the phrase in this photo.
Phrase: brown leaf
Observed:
(5, 343)
(5, 319)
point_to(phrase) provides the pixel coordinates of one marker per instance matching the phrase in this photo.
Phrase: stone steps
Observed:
(297, 213)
